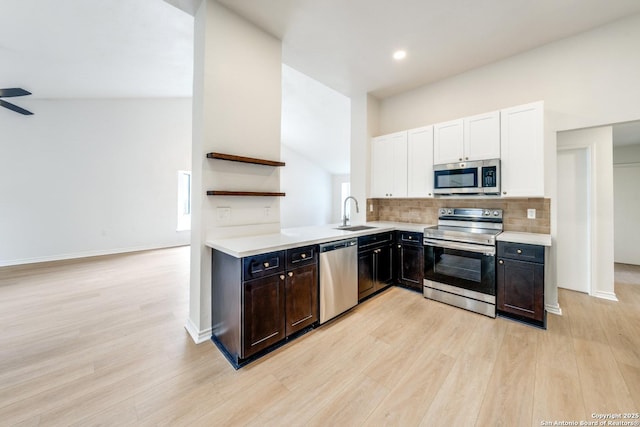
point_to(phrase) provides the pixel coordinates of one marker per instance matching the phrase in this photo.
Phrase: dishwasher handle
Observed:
(341, 244)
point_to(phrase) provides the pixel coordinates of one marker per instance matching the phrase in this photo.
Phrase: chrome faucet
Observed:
(345, 219)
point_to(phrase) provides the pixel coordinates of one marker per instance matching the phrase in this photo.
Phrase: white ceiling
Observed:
(144, 48)
(96, 48)
(347, 44)
(115, 48)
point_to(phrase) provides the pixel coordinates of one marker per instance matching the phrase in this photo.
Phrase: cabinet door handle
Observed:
(501, 262)
(466, 158)
(460, 159)
(399, 246)
(266, 265)
(303, 256)
(519, 251)
(504, 192)
(282, 277)
(290, 274)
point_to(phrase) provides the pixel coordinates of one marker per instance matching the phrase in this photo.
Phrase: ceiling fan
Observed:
(12, 92)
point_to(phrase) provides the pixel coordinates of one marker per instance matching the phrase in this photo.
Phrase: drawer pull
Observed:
(303, 256)
(266, 265)
(519, 251)
(410, 237)
(399, 246)
(282, 277)
(501, 262)
(290, 274)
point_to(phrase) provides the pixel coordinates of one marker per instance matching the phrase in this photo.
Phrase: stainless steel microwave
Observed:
(479, 177)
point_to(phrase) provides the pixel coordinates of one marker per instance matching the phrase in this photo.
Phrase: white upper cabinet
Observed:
(472, 138)
(448, 142)
(389, 165)
(482, 136)
(420, 162)
(522, 160)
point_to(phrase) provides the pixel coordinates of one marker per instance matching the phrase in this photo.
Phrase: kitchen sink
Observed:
(355, 228)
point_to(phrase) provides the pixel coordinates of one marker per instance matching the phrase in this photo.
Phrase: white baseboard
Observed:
(87, 254)
(553, 309)
(611, 296)
(196, 335)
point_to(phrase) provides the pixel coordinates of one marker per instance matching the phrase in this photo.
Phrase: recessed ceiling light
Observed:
(399, 54)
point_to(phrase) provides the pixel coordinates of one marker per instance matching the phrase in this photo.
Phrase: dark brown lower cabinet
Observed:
(301, 306)
(375, 263)
(520, 282)
(263, 316)
(410, 260)
(258, 302)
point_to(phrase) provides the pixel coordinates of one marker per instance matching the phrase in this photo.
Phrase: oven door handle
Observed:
(486, 250)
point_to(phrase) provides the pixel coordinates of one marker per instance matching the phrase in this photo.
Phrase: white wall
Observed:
(337, 202)
(586, 80)
(599, 143)
(315, 146)
(309, 191)
(236, 110)
(315, 121)
(364, 125)
(626, 195)
(626, 153)
(86, 177)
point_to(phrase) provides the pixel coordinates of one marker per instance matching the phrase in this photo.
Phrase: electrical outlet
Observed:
(223, 213)
(370, 207)
(531, 213)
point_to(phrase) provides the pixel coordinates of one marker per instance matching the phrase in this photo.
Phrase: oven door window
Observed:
(463, 269)
(456, 178)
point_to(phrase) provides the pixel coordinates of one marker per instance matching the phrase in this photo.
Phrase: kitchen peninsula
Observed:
(265, 288)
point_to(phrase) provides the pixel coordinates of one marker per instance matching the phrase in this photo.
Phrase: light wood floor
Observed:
(101, 342)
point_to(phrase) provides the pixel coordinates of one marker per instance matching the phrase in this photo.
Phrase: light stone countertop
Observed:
(288, 238)
(525, 238)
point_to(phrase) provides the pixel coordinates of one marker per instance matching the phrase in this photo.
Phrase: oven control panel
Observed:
(469, 213)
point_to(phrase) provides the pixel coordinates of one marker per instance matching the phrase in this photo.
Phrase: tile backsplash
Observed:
(425, 211)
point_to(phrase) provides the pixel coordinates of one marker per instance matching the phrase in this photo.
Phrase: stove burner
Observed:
(471, 225)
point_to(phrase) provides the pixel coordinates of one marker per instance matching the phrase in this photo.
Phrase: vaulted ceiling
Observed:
(144, 48)
(96, 48)
(348, 45)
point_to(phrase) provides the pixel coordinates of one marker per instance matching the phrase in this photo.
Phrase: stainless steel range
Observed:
(459, 258)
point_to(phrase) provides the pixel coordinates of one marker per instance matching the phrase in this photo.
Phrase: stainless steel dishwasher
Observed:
(338, 277)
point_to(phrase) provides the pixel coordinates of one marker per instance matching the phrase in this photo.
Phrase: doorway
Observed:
(574, 241)
(626, 206)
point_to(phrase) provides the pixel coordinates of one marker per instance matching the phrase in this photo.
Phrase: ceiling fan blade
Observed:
(14, 91)
(15, 108)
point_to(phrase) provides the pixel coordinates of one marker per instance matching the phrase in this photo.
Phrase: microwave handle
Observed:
(486, 250)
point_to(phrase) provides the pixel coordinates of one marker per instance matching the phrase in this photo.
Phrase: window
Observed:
(184, 200)
(345, 191)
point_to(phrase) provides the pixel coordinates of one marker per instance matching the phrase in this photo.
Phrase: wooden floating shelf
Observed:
(242, 159)
(244, 193)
